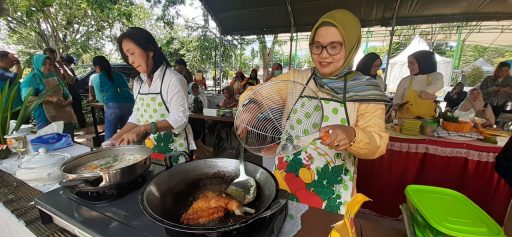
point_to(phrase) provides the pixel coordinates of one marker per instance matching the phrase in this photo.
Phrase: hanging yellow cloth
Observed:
(346, 227)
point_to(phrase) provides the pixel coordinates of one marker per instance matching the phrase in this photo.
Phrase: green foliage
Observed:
(475, 76)
(7, 97)
(77, 27)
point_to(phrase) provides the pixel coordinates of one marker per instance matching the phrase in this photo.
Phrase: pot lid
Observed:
(43, 159)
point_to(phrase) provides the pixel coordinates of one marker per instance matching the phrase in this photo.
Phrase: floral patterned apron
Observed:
(151, 107)
(318, 175)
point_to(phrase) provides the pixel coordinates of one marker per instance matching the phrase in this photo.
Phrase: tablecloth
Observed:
(18, 217)
(464, 166)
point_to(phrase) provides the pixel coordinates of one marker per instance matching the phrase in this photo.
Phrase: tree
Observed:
(266, 53)
(475, 76)
(78, 27)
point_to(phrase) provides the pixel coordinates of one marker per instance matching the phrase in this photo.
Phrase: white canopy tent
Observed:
(481, 63)
(398, 65)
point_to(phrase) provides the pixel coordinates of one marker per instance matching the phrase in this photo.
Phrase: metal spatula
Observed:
(243, 188)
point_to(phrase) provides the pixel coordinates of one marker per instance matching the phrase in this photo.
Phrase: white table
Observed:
(10, 226)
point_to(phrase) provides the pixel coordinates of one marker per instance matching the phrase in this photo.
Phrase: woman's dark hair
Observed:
(4, 55)
(366, 63)
(426, 61)
(241, 74)
(254, 70)
(499, 67)
(67, 58)
(144, 40)
(458, 83)
(104, 66)
(49, 50)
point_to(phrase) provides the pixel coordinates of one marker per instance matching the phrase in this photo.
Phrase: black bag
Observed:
(504, 162)
(197, 106)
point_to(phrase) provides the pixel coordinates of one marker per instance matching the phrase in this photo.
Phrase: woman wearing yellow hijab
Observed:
(322, 175)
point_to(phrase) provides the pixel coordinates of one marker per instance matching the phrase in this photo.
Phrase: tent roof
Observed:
(250, 17)
(482, 64)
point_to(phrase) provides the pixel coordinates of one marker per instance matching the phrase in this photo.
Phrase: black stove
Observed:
(111, 193)
(117, 213)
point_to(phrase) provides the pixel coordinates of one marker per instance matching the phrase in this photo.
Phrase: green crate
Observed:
(443, 212)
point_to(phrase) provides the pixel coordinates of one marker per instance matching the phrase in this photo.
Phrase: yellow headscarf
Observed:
(350, 29)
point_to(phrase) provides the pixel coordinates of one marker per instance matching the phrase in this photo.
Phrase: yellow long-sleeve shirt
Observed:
(367, 119)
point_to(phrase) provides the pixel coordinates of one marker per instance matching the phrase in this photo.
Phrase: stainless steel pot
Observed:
(171, 193)
(97, 181)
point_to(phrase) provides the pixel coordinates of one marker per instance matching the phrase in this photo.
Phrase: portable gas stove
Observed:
(118, 213)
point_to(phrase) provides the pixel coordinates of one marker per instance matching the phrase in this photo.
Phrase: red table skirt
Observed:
(467, 168)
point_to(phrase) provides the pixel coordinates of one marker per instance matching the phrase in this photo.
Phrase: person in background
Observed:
(200, 80)
(253, 78)
(497, 89)
(161, 109)
(229, 101)
(419, 88)
(195, 92)
(55, 107)
(60, 69)
(353, 121)
(68, 61)
(277, 69)
(369, 66)
(237, 82)
(217, 128)
(455, 96)
(94, 89)
(181, 67)
(8, 61)
(117, 95)
(196, 99)
(474, 106)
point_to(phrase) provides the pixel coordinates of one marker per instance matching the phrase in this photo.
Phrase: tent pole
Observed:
(291, 51)
(368, 36)
(292, 30)
(456, 56)
(391, 35)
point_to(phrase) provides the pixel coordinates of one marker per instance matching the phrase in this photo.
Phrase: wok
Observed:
(172, 192)
(97, 181)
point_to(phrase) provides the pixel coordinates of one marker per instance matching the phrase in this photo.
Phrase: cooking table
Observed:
(96, 106)
(10, 221)
(314, 222)
(464, 165)
(212, 115)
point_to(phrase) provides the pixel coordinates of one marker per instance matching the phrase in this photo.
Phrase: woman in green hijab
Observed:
(57, 106)
(353, 106)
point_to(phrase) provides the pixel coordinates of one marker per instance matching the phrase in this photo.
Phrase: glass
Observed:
(332, 48)
(17, 143)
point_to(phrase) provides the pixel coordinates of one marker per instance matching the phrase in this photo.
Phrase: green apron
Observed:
(318, 175)
(151, 107)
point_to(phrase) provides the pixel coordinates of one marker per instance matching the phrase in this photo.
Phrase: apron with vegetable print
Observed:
(318, 175)
(151, 107)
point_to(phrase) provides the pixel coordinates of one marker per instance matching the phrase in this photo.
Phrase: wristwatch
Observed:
(154, 128)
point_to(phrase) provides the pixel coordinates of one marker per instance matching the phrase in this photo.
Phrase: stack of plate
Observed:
(410, 127)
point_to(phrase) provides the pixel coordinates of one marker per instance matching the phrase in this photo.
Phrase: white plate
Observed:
(461, 138)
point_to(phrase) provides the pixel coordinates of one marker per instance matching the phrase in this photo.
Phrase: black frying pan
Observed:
(172, 192)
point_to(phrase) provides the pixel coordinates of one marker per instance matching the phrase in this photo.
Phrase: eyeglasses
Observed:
(332, 49)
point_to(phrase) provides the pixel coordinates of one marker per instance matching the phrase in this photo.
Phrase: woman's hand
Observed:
(131, 136)
(340, 136)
